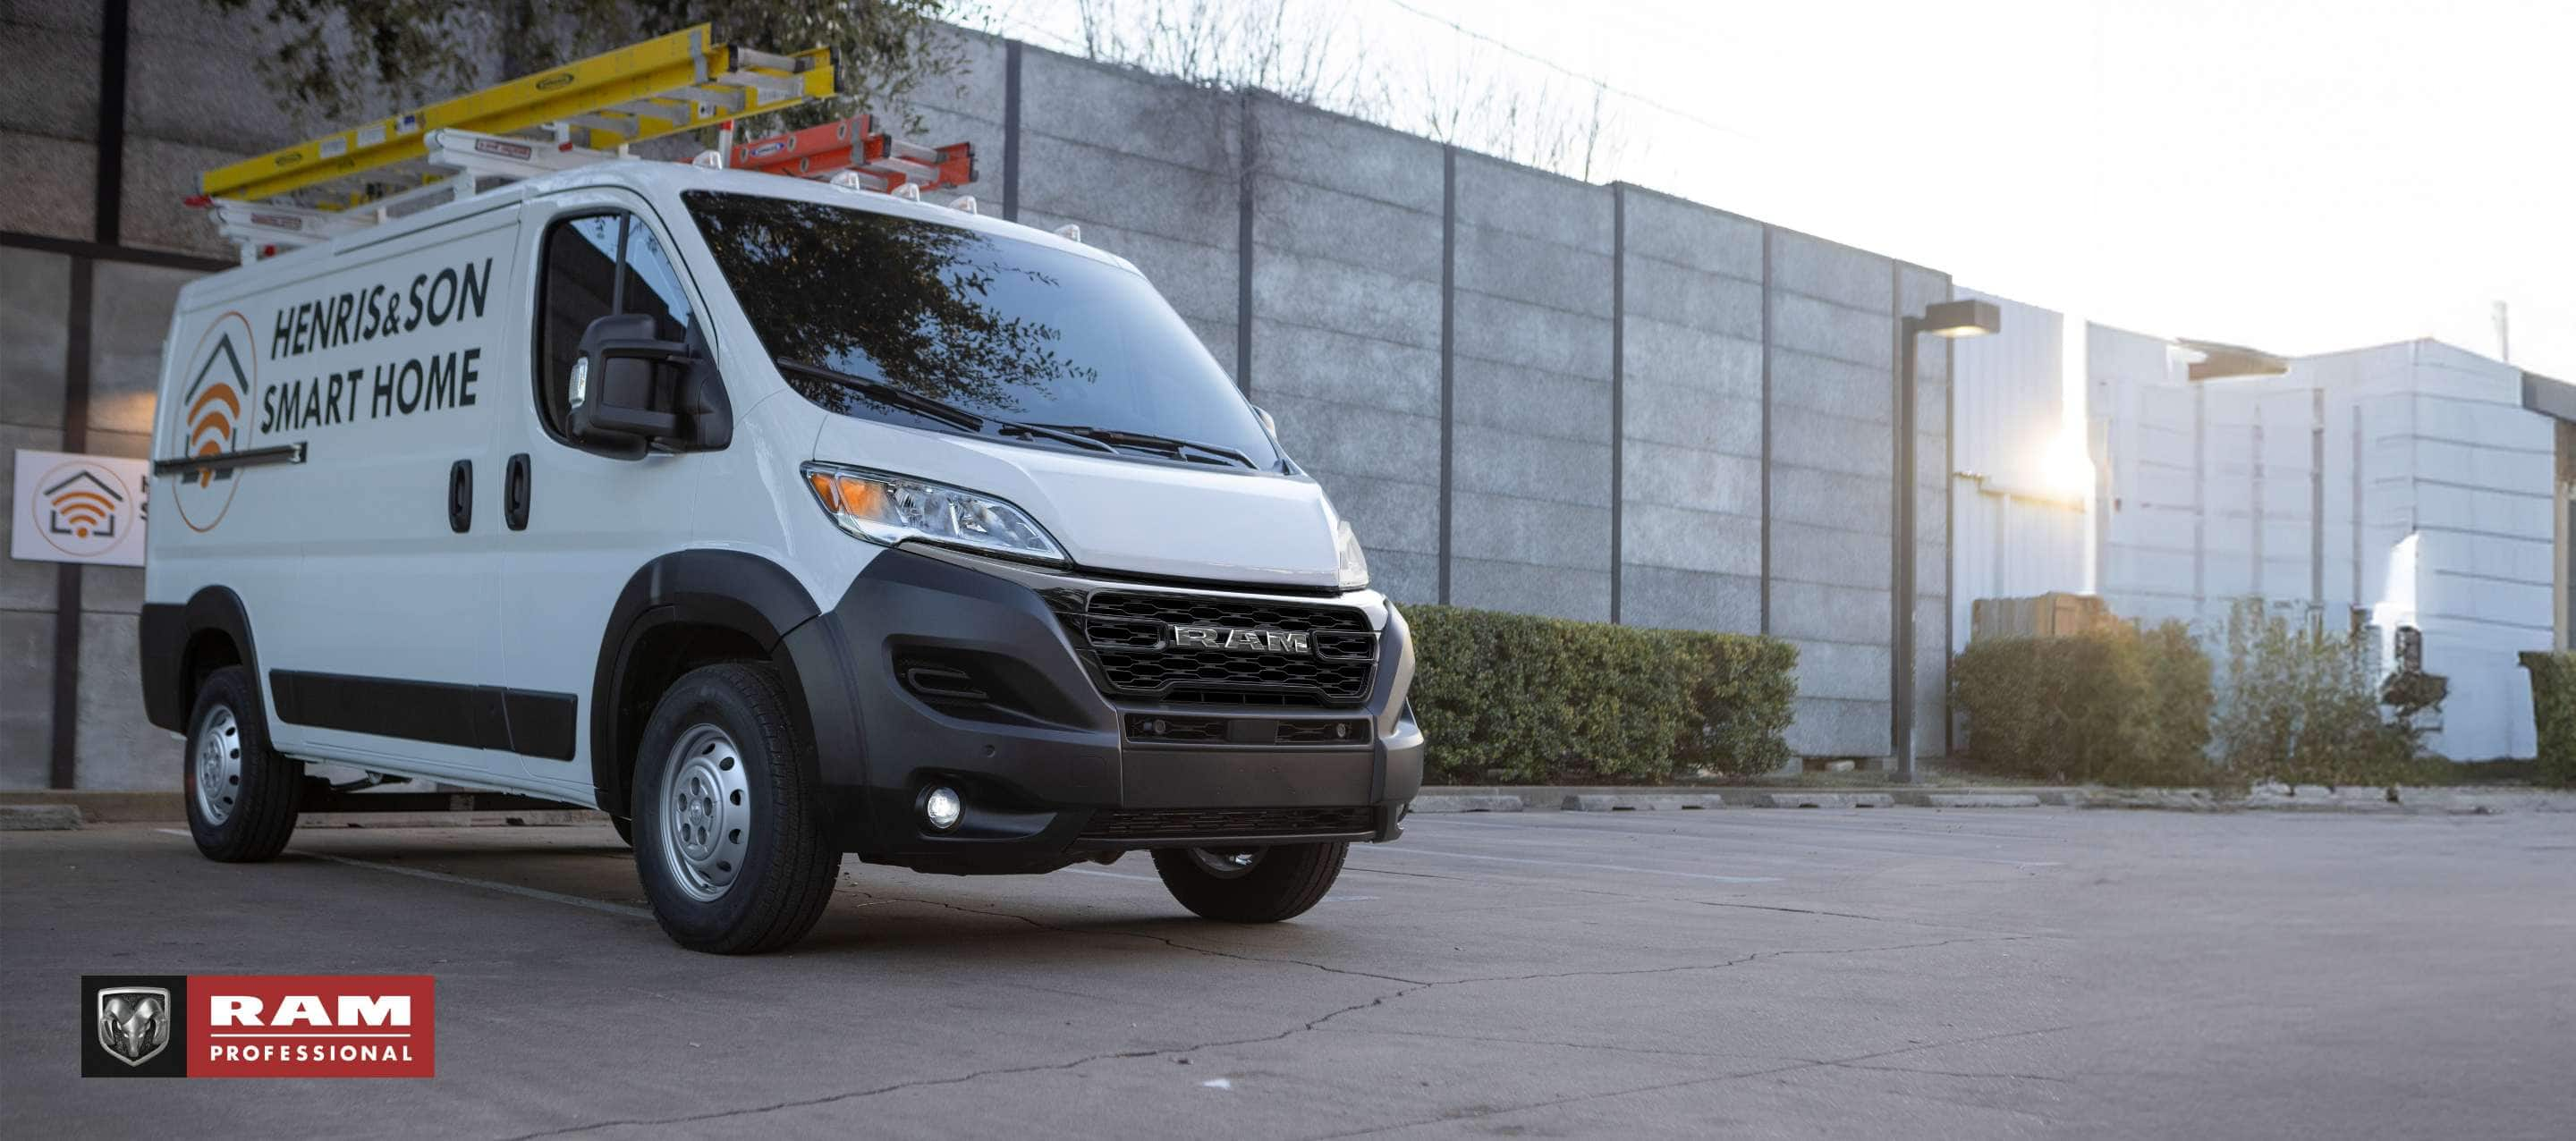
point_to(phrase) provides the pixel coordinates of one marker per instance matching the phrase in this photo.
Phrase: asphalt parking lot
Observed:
(1763, 973)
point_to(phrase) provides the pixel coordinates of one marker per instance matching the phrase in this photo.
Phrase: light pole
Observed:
(1962, 318)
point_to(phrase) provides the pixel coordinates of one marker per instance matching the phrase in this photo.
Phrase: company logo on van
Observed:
(210, 418)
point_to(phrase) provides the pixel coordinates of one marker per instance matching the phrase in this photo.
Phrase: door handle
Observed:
(460, 496)
(514, 492)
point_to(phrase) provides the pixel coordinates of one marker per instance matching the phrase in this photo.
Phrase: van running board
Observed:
(319, 796)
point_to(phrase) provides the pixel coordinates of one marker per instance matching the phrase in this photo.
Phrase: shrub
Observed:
(2302, 705)
(2109, 705)
(1522, 699)
(2553, 707)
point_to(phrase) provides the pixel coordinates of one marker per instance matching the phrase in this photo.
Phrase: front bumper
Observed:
(938, 667)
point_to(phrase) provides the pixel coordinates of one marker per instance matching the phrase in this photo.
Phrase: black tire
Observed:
(255, 790)
(1281, 884)
(785, 872)
(625, 829)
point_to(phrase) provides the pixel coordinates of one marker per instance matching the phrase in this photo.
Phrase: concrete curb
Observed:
(1816, 799)
(104, 807)
(2267, 798)
(39, 818)
(1648, 802)
(1466, 802)
(1972, 799)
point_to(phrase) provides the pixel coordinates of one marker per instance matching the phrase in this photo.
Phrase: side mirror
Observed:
(620, 385)
(631, 391)
(1268, 424)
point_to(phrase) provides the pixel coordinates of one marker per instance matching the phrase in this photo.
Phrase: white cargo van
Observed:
(778, 520)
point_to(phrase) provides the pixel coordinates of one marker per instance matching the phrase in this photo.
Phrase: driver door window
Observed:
(597, 265)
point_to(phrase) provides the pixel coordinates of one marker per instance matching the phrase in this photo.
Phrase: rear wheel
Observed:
(727, 837)
(1251, 885)
(242, 796)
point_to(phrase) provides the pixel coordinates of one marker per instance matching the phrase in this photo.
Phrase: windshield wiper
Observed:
(894, 394)
(940, 410)
(1179, 448)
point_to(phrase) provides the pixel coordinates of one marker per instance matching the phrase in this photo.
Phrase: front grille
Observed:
(1125, 641)
(1220, 823)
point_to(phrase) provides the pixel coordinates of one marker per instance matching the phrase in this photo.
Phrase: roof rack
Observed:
(586, 111)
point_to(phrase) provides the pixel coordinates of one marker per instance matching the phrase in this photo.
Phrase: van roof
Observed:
(656, 180)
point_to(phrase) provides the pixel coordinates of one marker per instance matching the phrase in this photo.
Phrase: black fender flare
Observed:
(729, 590)
(166, 631)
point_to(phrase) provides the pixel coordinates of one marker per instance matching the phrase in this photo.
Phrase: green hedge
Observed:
(2553, 706)
(1516, 699)
(2111, 705)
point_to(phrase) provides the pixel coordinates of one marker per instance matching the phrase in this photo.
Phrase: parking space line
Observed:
(1767, 850)
(1399, 849)
(1157, 880)
(619, 909)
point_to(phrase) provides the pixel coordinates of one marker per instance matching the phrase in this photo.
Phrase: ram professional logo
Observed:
(1244, 641)
(134, 1022)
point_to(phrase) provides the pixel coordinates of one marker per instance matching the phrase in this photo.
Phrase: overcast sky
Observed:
(2298, 175)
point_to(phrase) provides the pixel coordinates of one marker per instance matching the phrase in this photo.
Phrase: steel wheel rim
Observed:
(217, 771)
(1226, 864)
(706, 813)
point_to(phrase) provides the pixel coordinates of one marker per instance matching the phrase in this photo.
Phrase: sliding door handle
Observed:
(460, 496)
(514, 492)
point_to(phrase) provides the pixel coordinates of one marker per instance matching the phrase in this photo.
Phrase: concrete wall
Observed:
(1526, 392)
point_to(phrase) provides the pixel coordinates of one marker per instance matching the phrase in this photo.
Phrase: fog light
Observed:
(942, 808)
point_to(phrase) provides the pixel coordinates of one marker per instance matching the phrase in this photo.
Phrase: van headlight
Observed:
(1352, 561)
(882, 507)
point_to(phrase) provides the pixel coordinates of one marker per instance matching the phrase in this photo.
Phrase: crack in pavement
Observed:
(1411, 988)
(1696, 902)
(1175, 944)
(1938, 1073)
(1497, 1111)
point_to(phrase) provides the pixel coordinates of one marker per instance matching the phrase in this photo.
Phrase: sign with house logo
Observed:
(77, 509)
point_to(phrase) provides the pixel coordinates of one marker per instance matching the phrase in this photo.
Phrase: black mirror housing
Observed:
(632, 392)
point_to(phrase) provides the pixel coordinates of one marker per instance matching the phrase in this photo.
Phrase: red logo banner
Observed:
(312, 1026)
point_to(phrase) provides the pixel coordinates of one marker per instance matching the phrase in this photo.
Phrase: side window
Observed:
(597, 265)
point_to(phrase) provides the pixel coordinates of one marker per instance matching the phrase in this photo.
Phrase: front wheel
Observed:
(1251, 885)
(728, 839)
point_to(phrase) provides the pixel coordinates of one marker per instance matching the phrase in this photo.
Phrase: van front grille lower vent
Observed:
(1220, 823)
(1132, 643)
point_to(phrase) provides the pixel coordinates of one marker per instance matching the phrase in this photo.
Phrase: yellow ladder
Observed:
(662, 86)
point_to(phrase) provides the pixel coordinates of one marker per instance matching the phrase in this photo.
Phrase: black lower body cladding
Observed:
(945, 669)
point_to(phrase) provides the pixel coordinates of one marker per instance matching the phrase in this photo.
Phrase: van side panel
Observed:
(351, 569)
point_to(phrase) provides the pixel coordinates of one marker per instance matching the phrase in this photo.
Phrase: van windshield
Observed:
(1001, 328)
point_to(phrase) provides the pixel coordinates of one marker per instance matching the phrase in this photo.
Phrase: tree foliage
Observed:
(1516, 698)
(2302, 704)
(2110, 705)
(344, 59)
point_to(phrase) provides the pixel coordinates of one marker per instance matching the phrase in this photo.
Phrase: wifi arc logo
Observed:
(83, 509)
(210, 418)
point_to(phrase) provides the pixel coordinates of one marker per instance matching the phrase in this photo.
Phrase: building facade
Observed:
(2401, 485)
